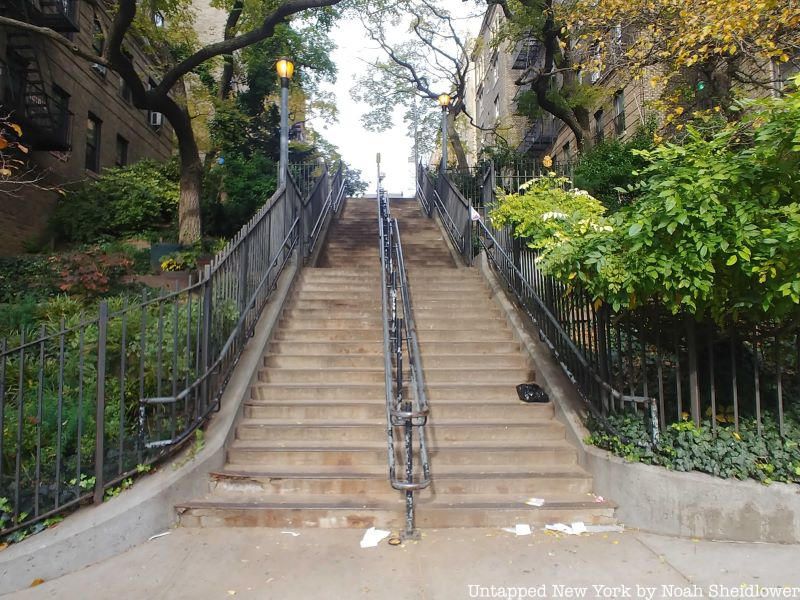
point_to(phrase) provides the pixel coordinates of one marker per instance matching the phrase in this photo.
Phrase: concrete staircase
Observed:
(311, 448)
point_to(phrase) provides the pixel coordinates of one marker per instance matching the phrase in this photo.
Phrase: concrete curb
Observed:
(653, 498)
(95, 533)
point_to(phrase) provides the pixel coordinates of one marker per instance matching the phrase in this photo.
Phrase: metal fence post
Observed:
(694, 385)
(100, 412)
(206, 336)
(244, 263)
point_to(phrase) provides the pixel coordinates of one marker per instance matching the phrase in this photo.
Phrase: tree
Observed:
(553, 73)
(179, 56)
(16, 173)
(434, 59)
(696, 50)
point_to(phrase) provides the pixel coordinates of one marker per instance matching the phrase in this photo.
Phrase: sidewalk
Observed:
(455, 564)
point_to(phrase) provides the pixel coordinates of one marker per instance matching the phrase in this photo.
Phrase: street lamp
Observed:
(285, 69)
(444, 102)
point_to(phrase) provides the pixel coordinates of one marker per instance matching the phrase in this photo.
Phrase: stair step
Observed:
(541, 483)
(376, 409)
(374, 453)
(440, 430)
(353, 514)
(321, 361)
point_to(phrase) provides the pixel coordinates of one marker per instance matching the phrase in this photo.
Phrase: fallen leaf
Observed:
(3, 546)
(37, 581)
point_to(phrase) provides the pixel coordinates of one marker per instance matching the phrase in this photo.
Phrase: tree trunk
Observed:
(191, 179)
(456, 143)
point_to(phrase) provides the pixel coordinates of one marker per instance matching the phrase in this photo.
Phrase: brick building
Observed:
(77, 118)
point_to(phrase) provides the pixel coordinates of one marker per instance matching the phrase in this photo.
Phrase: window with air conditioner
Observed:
(98, 44)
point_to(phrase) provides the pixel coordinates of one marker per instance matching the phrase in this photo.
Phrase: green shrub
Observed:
(742, 454)
(137, 200)
(714, 232)
(610, 165)
(236, 190)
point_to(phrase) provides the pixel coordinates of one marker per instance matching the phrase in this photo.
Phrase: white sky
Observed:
(357, 146)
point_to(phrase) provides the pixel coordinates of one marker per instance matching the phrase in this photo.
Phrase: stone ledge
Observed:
(653, 498)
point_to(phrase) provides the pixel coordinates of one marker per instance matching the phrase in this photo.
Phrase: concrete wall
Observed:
(653, 498)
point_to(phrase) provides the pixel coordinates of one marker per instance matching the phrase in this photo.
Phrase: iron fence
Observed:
(436, 190)
(87, 403)
(667, 368)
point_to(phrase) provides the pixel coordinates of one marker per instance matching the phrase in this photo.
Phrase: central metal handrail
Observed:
(406, 406)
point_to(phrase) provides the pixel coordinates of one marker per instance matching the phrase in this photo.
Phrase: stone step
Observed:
(375, 430)
(543, 483)
(306, 452)
(361, 299)
(333, 322)
(323, 361)
(329, 335)
(497, 393)
(427, 322)
(348, 513)
(354, 408)
(350, 375)
(279, 347)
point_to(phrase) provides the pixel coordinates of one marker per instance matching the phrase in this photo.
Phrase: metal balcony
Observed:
(59, 15)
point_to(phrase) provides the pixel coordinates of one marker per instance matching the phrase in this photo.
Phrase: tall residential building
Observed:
(77, 118)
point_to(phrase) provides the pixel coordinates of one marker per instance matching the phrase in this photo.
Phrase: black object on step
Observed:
(530, 392)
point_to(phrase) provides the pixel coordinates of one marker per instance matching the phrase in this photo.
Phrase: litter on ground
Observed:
(372, 536)
(519, 529)
(576, 528)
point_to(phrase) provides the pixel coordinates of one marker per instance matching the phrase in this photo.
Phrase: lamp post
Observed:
(285, 69)
(444, 102)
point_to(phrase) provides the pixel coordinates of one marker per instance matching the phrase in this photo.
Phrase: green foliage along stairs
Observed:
(310, 450)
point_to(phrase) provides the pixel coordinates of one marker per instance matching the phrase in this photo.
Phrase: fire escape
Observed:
(541, 132)
(24, 94)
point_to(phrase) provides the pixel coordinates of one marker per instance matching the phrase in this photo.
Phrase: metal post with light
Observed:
(285, 69)
(444, 102)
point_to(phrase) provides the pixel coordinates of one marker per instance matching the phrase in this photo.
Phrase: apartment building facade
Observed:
(77, 118)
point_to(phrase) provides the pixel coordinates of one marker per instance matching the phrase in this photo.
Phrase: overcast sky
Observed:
(358, 147)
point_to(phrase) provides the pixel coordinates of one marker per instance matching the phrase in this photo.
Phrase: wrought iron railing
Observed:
(437, 191)
(667, 368)
(406, 401)
(87, 403)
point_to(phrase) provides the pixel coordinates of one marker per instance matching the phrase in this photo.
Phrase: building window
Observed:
(61, 113)
(158, 19)
(599, 134)
(125, 91)
(93, 126)
(98, 44)
(565, 152)
(121, 156)
(619, 112)
(497, 108)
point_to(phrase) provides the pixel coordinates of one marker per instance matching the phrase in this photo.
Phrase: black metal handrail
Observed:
(406, 405)
(86, 404)
(454, 210)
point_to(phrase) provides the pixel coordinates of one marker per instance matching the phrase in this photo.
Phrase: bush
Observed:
(236, 190)
(714, 232)
(137, 200)
(727, 453)
(611, 165)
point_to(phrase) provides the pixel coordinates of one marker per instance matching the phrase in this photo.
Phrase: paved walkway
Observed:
(455, 564)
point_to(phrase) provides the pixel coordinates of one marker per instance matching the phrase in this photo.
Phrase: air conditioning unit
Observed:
(156, 119)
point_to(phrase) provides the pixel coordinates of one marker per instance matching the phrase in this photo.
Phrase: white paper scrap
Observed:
(519, 529)
(372, 536)
(292, 533)
(575, 529)
(535, 501)
(474, 215)
(158, 535)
